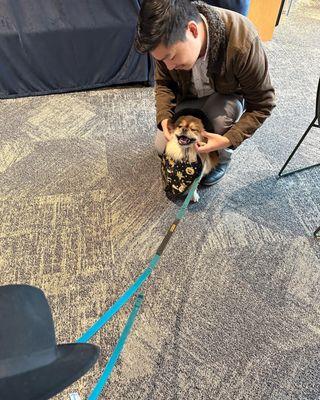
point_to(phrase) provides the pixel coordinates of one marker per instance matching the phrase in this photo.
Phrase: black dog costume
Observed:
(178, 176)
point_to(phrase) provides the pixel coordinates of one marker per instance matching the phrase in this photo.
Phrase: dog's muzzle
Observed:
(184, 140)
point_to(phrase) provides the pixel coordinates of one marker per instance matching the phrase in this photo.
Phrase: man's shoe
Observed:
(215, 175)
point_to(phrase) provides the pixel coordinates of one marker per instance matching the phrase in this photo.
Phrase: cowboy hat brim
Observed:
(73, 361)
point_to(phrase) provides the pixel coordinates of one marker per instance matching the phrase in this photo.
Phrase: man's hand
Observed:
(166, 128)
(215, 142)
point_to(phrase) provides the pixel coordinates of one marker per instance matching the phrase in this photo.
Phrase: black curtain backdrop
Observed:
(52, 46)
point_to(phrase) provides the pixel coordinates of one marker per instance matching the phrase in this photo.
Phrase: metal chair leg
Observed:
(289, 8)
(296, 148)
(280, 12)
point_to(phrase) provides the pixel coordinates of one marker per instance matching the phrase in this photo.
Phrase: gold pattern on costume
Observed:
(190, 171)
(179, 175)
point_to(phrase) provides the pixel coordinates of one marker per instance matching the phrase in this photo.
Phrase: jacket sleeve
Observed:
(251, 70)
(165, 92)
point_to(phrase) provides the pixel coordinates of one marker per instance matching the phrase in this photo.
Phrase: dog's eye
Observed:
(194, 130)
(180, 126)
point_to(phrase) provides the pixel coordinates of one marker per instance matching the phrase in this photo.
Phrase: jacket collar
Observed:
(217, 37)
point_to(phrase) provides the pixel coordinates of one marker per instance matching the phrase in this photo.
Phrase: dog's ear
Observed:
(171, 125)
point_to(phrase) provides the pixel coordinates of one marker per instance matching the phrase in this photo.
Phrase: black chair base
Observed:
(281, 174)
(313, 124)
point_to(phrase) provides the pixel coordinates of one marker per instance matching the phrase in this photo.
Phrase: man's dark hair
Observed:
(163, 21)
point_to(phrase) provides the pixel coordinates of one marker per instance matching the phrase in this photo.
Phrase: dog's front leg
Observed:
(195, 196)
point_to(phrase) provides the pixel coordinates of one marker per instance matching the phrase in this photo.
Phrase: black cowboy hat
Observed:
(32, 365)
(194, 112)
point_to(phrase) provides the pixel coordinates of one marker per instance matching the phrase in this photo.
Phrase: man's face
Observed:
(181, 55)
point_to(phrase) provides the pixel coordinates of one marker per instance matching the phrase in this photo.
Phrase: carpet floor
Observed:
(232, 310)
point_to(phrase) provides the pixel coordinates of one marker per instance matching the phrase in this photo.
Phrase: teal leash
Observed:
(144, 276)
(117, 351)
(127, 296)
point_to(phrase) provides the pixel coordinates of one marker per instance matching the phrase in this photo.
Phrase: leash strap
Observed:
(119, 303)
(126, 297)
(144, 276)
(117, 350)
(179, 216)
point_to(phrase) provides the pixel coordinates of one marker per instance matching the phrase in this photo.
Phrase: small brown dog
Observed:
(181, 164)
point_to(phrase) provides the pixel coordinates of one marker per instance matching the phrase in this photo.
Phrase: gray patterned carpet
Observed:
(232, 311)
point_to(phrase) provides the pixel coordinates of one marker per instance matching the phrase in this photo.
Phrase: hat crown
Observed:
(26, 324)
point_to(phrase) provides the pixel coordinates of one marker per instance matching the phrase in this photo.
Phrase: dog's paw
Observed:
(195, 197)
